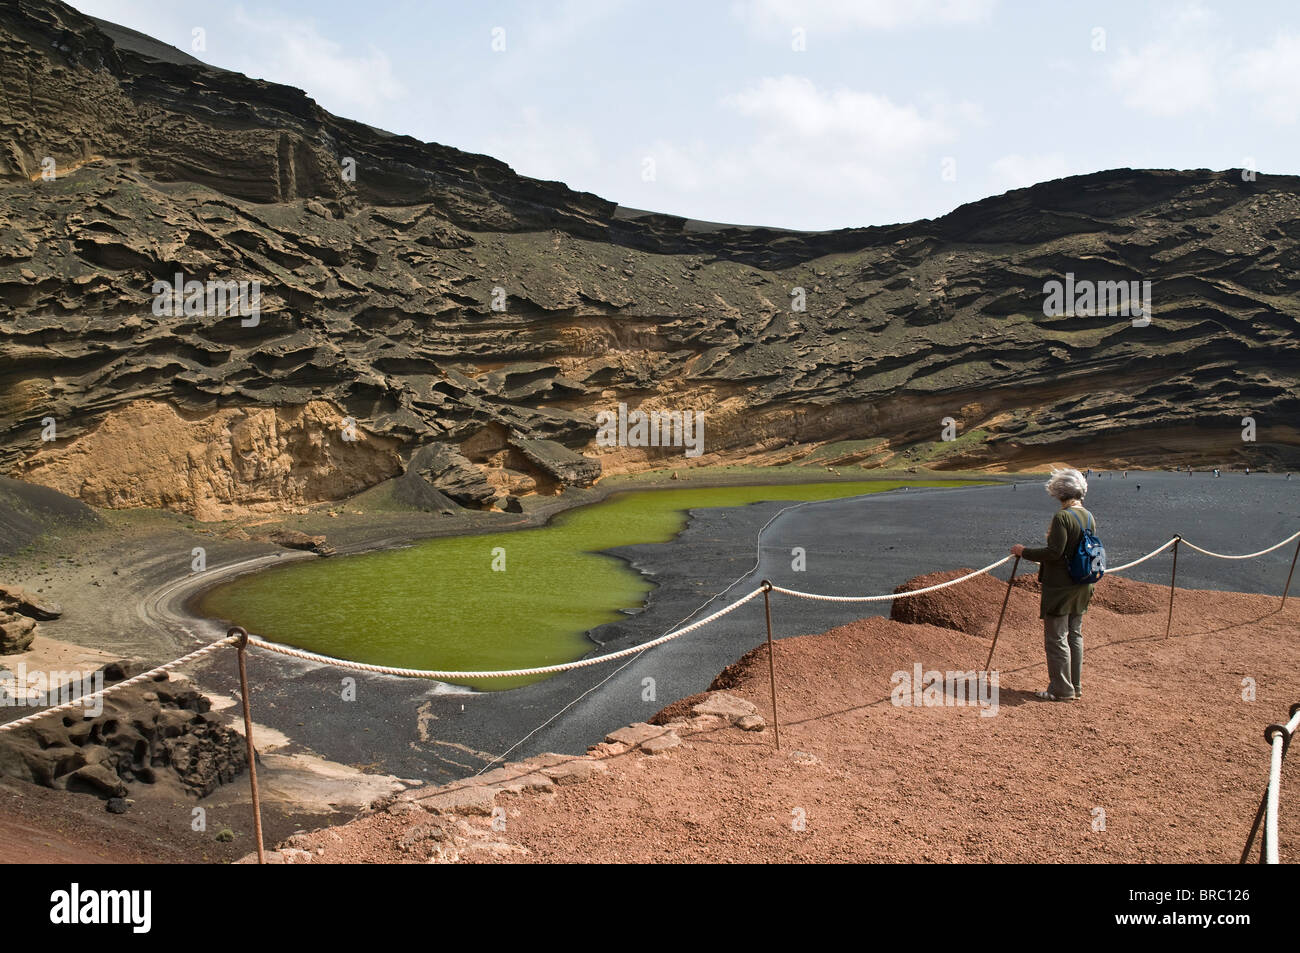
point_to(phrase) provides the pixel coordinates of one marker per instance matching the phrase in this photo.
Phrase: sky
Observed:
(812, 115)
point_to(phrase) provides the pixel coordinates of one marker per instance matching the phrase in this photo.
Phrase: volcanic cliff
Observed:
(431, 314)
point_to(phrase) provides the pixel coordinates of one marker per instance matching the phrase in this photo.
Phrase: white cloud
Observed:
(292, 51)
(1178, 75)
(1270, 79)
(1165, 80)
(1195, 69)
(1016, 171)
(839, 15)
(793, 114)
(807, 150)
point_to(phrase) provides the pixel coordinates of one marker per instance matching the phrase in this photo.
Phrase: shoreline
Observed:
(189, 591)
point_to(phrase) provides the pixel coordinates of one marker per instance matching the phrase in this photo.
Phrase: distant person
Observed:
(1247, 471)
(1126, 474)
(1216, 471)
(1063, 601)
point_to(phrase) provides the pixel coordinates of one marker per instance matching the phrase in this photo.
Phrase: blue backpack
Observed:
(1088, 561)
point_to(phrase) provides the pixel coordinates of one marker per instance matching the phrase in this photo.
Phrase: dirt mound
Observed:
(683, 707)
(1116, 593)
(27, 511)
(971, 607)
(153, 732)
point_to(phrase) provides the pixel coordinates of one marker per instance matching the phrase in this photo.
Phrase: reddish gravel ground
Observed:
(1162, 742)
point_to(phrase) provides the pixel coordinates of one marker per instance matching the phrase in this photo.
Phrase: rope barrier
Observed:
(892, 595)
(1138, 562)
(1279, 737)
(1248, 555)
(447, 675)
(498, 673)
(134, 679)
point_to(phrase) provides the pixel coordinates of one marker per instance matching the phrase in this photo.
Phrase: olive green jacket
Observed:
(1061, 594)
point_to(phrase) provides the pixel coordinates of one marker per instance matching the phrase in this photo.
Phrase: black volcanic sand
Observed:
(862, 545)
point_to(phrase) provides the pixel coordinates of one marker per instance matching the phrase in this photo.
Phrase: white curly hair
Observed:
(1067, 484)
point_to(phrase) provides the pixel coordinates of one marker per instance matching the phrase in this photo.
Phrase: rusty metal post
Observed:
(1290, 574)
(771, 660)
(1173, 577)
(241, 646)
(988, 666)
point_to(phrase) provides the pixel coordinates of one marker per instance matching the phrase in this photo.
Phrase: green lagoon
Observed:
(438, 604)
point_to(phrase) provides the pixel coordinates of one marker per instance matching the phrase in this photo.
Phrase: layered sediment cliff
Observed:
(473, 322)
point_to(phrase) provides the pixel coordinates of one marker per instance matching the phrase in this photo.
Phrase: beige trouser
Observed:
(1063, 640)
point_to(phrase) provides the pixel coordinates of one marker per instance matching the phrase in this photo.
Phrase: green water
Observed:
(440, 605)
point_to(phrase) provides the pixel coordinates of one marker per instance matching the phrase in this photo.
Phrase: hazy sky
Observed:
(892, 110)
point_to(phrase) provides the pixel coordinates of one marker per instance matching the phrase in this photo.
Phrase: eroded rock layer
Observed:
(474, 322)
(227, 463)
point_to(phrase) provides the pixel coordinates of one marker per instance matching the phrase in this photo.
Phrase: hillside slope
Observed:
(472, 322)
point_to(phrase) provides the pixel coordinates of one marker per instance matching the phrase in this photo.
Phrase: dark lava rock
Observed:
(293, 539)
(558, 461)
(144, 730)
(449, 472)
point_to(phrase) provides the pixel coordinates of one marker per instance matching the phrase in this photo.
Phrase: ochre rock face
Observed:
(226, 464)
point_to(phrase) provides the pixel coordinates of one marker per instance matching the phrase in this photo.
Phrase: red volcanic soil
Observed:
(1162, 741)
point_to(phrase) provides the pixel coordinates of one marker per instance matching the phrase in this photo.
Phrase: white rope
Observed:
(1270, 811)
(1279, 742)
(1248, 555)
(134, 679)
(892, 595)
(1138, 562)
(508, 673)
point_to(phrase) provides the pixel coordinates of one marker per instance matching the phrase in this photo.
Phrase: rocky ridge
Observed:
(470, 323)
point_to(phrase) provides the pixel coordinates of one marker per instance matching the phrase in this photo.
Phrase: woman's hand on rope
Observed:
(1017, 550)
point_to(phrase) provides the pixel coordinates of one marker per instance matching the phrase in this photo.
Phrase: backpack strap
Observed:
(1083, 526)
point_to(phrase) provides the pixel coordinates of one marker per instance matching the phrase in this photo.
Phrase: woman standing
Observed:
(1063, 601)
